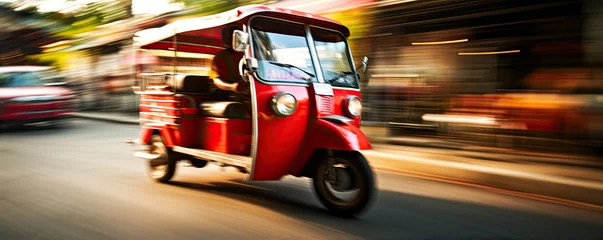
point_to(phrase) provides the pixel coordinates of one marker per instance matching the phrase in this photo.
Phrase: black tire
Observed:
(164, 168)
(362, 178)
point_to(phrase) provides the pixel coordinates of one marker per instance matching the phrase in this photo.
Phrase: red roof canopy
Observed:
(203, 34)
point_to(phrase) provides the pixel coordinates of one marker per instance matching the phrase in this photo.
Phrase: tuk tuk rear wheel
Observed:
(163, 168)
(353, 188)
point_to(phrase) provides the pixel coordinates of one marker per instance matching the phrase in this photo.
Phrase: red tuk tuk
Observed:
(304, 114)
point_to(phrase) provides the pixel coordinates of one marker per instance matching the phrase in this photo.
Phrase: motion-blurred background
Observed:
(499, 74)
(485, 118)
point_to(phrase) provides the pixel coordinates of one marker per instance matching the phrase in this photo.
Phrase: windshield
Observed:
(283, 54)
(19, 79)
(282, 51)
(334, 58)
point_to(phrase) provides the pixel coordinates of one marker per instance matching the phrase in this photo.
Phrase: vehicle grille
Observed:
(325, 105)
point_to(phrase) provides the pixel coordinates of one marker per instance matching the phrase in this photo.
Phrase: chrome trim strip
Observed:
(158, 100)
(152, 125)
(230, 159)
(254, 110)
(254, 126)
(175, 60)
(346, 88)
(154, 93)
(157, 121)
(158, 115)
(159, 107)
(337, 119)
(282, 83)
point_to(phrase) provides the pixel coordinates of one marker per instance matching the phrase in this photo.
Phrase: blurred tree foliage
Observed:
(69, 25)
(208, 7)
(95, 14)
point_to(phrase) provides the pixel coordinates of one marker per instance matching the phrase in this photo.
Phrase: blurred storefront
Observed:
(531, 66)
(507, 68)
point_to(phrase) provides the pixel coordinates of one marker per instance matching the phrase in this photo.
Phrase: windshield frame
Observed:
(348, 51)
(313, 54)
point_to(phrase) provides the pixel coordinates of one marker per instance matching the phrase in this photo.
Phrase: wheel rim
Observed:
(158, 167)
(347, 187)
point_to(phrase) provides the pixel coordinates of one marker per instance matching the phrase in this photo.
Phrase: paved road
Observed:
(83, 183)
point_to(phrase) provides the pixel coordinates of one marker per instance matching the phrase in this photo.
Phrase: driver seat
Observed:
(223, 109)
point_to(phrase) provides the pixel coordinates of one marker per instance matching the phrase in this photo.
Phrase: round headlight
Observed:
(284, 104)
(353, 107)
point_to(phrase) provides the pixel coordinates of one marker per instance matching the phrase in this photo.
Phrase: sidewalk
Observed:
(581, 184)
(576, 178)
(489, 153)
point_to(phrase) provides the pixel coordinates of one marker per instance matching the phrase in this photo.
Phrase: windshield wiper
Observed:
(342, 74)
(293, 66)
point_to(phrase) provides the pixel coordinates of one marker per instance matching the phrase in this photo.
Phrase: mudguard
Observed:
(166, 134)
(323, 134)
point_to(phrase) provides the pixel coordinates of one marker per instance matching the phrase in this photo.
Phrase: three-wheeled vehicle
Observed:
(303, 117)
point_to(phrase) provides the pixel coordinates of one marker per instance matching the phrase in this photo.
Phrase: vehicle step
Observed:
(135, 141)
(229, 159)
(146, 156)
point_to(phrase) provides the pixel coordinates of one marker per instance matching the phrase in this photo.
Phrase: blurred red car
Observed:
(32, 94)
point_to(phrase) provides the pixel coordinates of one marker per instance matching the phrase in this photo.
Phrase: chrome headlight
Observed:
(283, 104)
(353, 107)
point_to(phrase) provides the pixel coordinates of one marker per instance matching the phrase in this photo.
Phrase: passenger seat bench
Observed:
(218, 104)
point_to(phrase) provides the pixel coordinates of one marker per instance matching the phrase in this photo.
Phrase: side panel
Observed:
(187, 135)
(323, 134)
(161, 113)
(279, 138)
(232, 136)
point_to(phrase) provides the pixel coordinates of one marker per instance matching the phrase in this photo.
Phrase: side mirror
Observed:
(364, 64)
(240, 40)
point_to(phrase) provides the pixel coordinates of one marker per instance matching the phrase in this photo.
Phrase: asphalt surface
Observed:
(82, 182)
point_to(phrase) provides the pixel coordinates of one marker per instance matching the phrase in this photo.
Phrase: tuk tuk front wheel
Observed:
(344, 183)
(162, 168)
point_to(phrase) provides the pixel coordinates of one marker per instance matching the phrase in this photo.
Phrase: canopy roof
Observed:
(203, 34)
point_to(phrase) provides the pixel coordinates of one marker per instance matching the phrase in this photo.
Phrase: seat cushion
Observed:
(223, 109)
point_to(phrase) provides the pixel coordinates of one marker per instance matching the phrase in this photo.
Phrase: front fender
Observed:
(323, 134)
(336, 136)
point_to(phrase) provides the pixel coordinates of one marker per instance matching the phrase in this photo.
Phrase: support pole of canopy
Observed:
(174, 61)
